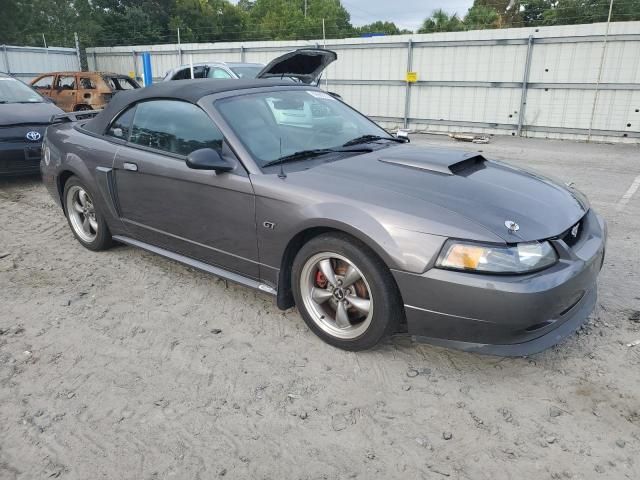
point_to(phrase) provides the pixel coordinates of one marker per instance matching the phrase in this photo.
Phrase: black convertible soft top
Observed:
(185, 90)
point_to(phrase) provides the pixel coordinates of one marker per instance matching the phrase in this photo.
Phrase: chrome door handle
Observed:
(132, 167)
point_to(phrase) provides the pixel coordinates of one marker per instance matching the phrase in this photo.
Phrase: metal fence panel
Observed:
(532, 81)
(26, 63)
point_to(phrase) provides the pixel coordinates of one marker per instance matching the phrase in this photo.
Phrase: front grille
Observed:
(18, 133)
(19, 166)
(572, 236)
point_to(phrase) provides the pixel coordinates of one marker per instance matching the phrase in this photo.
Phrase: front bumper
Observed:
(19, 158)
(511, 315)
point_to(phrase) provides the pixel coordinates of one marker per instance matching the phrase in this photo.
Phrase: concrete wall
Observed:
(467, 81)
(26, 63)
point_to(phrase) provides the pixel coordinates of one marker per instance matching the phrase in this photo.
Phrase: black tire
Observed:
(102, 239)
(388, 310)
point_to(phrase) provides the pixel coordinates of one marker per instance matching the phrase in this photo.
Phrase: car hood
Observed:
(305, 64)
(27, 113)
(489, 193)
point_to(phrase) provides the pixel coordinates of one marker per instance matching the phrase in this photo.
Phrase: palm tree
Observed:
(441, 21)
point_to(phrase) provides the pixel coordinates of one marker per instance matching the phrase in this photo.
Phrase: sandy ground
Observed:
(123, 365)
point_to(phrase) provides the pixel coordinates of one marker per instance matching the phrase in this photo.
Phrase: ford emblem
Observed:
(33, 136)
(512, 226)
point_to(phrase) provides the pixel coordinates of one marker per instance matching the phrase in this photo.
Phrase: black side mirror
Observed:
(208, 159)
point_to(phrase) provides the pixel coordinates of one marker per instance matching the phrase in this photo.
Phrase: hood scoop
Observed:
(447, 162)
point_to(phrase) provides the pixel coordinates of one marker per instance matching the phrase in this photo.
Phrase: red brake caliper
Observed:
(321, 280)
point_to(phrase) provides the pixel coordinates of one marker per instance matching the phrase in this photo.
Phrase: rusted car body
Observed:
(76, 91)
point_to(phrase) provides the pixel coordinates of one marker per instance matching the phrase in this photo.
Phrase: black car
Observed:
(24, 117)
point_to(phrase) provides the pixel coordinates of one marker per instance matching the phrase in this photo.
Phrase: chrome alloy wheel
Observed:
(82, 214)
(336, 295)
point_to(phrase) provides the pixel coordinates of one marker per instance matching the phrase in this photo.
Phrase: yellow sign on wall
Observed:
(412, 77)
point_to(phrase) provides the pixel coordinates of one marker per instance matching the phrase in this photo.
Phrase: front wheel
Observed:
(86, 222)
(345, 293)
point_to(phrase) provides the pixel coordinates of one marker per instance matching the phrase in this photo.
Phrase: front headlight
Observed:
(520, 258)
(46, 154)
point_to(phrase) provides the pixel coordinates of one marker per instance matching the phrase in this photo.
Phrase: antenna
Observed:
(281, 175)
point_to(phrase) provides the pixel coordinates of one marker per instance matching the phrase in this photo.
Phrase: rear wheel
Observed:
(345, 293)
(86, 222)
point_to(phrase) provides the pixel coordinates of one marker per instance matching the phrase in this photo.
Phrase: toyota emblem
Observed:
(33, 136)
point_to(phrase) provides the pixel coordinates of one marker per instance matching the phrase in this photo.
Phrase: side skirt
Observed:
(205, 267)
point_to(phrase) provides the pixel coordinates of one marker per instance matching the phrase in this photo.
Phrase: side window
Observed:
(87, 83)
(216, 72)
(127, 84)
(175, 127)
(183, 74)
(120, 83)
(66, 83)
(44, 83)
(198, 72)
(121, 126)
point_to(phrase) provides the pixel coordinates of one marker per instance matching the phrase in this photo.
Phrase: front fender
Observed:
(399, 248)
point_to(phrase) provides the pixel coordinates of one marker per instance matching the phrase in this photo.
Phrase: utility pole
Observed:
(324, 41)
(47, 50)
(75, 36)
(324, 35)
(604, 52)
(305, 8)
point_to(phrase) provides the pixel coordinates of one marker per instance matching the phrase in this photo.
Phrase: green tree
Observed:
(285, 19)
(570, 12)
(245, 5)
(388, 28)
(533, 11)
(24, 22)
(480, 17)
(122, 22)
(509, 11)
(441, 21)
(207, 20)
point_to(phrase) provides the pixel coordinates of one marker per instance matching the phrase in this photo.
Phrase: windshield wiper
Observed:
(371, 138)
(304, 154)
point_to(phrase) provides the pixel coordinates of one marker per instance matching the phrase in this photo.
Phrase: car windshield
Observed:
(14, 91)
(282, 123)
(246, 72)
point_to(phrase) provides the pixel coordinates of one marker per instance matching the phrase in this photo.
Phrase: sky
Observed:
(407, 14)
(404, 13)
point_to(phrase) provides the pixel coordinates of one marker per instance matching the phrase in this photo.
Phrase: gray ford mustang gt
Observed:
(279, 186)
